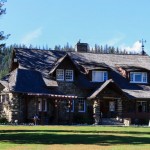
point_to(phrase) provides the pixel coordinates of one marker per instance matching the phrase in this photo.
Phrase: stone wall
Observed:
(10, 107)
(69, 88)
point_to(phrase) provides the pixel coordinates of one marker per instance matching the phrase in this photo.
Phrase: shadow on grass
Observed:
(40, 137)
(78, 131)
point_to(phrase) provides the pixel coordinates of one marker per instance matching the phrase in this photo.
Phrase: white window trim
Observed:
(72, 107)
(142, 73)
(99, 71)
(72, 75)
(82, 111)
(63, 74)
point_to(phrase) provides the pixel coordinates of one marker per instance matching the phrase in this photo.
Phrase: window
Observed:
(138, 77)
(69, 104)
(60, 74)
(69, 75)
(141, 106)
(44, 105)
(81, 105)
(39, 104)
(99, 76)
(111, 106)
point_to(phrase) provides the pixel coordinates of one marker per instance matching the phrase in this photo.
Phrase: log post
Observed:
(96, 112)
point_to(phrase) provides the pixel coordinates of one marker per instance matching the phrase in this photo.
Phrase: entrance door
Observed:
(112, 108)
(107, 107)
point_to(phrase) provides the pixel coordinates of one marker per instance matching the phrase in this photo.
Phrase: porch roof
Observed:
(53, 95)
(103, 86)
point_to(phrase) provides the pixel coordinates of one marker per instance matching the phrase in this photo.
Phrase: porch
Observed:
(50, 109)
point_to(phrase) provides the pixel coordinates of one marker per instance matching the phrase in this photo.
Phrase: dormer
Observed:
(97, 72)
(135, 74)
(64, 69)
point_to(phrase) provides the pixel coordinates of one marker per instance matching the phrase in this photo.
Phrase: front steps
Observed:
(111, 121)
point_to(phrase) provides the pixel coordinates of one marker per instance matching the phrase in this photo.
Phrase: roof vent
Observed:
(81, 47)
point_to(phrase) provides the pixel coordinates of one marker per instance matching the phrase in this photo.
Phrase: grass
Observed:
(74, 138)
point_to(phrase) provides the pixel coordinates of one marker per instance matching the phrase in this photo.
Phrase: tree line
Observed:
(6, 53)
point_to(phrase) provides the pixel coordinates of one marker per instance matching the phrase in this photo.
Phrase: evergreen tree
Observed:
(2, 36)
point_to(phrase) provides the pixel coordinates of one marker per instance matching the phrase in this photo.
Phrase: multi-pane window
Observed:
(138, 77)
(60, 74)
(42, 104)
(142, 106)
(69, 75)
(99, 76)
(81, 105)
(69, 105)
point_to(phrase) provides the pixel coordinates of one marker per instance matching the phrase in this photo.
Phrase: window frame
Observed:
(44, 101)
(104, 75)
(60, 79)
(143, 75)
(84, 105)
(72, 73)
(143, 104)
(40, 104)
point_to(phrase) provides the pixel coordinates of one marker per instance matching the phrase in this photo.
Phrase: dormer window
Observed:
(99, 76)
(69, 75)
(138, 77)
(66, 75)
(60, 74)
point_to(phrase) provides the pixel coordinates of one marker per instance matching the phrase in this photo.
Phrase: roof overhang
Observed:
(53, 95)
(60, 61)
(102, 88)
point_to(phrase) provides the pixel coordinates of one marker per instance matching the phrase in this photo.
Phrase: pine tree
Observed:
(2, 36)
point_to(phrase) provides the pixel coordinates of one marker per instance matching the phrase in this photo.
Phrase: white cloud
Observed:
(29, 37)
(116, 40)
(136, 47)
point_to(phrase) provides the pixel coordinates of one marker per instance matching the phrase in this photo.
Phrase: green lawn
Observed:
(74, 137)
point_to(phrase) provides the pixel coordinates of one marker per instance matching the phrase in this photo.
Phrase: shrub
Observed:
(3, 120)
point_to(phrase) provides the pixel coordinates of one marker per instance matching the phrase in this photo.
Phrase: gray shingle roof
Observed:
(43, 61)
(29, 81)
(103, 86)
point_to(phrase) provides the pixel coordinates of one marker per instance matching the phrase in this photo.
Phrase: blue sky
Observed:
(52, 22)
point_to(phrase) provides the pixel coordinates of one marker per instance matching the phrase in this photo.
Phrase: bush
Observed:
(81, 119)
(141, 121)
(3, 120)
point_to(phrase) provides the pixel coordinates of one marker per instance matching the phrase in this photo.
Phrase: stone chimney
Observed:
(82, 47)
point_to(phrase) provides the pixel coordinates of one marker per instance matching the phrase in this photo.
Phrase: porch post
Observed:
(96, 112)
(57, 110)
(69, 111)
(26, 108)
